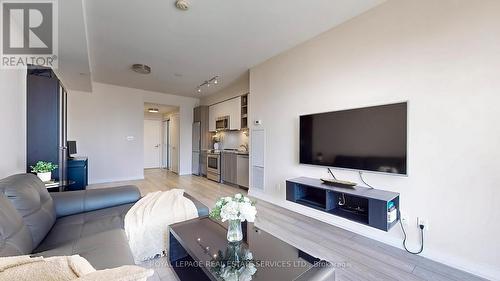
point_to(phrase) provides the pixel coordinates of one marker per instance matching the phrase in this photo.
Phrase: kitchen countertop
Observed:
(227, 151)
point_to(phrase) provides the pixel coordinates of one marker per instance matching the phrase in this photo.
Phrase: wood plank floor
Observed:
(356, 258)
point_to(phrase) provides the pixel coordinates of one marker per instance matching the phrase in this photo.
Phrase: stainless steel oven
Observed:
(222, 123)
(213, 166)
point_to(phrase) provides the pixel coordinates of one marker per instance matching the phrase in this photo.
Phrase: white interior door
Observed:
(174, 142)
(152, 144)
(165, 148)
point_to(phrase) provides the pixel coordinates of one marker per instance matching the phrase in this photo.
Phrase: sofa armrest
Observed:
(202, 209)
(75, 202)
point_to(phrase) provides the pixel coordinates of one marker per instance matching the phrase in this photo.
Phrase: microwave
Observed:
(222, 123)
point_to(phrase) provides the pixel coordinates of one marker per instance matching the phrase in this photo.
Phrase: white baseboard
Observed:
(456, 262)
(99, 181)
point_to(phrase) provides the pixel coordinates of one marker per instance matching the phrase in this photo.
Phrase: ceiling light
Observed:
(141, 68)
(153, 110)
(214, 80)
(182, 5)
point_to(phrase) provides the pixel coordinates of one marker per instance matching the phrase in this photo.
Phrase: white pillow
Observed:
(25, 268)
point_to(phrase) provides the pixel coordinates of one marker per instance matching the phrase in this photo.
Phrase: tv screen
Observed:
(368, 139)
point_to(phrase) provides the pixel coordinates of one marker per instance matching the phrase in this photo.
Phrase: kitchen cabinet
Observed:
(235, 169)
(244, 111)
(203, 159)
(231, 108)
(242, 168)
(229, 169)
(212, 113)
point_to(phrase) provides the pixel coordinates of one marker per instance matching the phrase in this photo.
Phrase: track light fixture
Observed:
(214, 80)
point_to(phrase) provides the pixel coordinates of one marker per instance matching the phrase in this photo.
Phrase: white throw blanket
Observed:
(146, 223)
(65, 268)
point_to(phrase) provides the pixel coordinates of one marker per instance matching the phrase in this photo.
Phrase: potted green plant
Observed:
(44, 170)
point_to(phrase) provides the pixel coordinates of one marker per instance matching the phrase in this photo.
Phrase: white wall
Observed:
(12, 122)
(441, 56)
(101, 121)
(236, 88)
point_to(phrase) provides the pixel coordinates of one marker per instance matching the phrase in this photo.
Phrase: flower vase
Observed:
(234, 233)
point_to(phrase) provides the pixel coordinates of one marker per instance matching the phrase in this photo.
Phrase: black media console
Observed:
(360, 204)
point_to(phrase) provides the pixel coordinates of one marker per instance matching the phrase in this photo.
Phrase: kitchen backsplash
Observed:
(232, 139)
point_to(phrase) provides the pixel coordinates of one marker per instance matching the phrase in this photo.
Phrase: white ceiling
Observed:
(214, 37)
(74, 68)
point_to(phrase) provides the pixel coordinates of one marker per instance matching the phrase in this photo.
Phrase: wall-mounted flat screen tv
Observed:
(368, 139)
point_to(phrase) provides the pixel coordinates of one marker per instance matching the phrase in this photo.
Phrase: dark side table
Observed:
(77, 171)
(58, 186)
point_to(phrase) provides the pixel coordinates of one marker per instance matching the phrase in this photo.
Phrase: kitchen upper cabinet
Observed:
(231, 108)
(212, 113)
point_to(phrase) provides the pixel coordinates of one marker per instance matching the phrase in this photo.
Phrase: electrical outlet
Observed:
(403, 218)
(424, 222)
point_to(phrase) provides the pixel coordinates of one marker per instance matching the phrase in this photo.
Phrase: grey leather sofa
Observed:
(88, 222)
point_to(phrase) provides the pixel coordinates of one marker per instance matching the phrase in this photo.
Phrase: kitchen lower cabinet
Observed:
(242, 170)
(229, 171)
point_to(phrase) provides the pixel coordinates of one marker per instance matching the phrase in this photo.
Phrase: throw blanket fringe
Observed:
(146, 223)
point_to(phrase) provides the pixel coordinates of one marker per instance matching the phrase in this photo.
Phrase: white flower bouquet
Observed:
(238, 207)
(235, 210)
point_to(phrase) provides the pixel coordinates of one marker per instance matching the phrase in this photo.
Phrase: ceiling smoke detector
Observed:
(141, 68)
(182, 5)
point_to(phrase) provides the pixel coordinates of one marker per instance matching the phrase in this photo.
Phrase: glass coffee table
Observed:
(199, 251)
